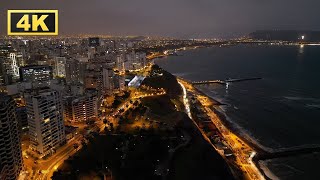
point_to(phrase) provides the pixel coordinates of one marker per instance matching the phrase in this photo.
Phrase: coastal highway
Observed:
(186, 101)
(243, 153)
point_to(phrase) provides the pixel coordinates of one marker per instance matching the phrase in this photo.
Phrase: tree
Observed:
(76, 146)
(111, 127)
(105, 121)
(135, 103)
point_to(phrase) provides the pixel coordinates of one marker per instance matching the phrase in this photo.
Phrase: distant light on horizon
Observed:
(302, 37)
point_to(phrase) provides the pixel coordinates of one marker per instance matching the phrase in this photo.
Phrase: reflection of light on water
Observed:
(227, 87)
(301, 49)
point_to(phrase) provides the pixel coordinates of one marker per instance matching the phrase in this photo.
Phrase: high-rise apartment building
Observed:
(79, 109)
(10, 145)
(108, 74)
(9, 69)
(73, 71)
(60, 66)
(45, 119)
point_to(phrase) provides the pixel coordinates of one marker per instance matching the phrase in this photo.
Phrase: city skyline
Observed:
(181, 19)
(70, 94)
(147, 89)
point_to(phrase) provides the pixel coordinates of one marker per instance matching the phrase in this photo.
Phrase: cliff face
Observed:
(286, 35)
(197, 160)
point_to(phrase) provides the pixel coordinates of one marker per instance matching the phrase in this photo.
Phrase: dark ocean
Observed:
(279, 111)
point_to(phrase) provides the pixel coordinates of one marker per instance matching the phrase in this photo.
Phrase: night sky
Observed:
(177, 18)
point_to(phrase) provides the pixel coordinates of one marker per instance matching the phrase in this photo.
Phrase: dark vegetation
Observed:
(198, 160)
(175, 147)
(119, 99)
(160, 78)
(126, 156)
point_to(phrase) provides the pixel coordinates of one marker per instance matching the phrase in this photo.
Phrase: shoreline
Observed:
(223, 119)
(158, 55)
(260, 150)
(247, 136)
(232, 128)
(230, 125)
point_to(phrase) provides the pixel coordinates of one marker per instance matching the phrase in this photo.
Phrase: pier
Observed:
(225, 81)
(287, 153)
(209, 82)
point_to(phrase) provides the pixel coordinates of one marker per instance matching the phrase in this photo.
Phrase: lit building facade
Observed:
(38, 75)
(14, 65)
(10, 144)
(60, 66)
(135, 60)
(108, 83)
(72, 71)
(81, 109)
(9, 66)
(45, 119)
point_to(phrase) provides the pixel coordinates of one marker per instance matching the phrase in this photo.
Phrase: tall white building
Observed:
(45, 119)
(14, 64)
(108, 75)
(60, 66)
(10, 144)
(9, 69)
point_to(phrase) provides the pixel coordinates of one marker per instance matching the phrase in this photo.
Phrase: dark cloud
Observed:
(183, 18)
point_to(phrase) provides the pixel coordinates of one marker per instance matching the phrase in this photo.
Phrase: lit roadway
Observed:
(58, 161)
(186, 101)
(155, 55)
(243, 153)
(47, 167)
(127, 105)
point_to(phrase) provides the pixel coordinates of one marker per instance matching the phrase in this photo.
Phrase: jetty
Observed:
(225, 81)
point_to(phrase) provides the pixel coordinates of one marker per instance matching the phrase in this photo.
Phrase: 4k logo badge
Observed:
(33, 22)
